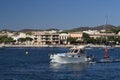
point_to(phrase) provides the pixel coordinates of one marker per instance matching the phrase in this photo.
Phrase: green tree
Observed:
(21, 40)
(111, 38)
(28, 33)
(115, 30)
(28, 39)
(6, 39)
(91, 40)
(71, 40)
(86, 37)
(117, 39)
(17, 33)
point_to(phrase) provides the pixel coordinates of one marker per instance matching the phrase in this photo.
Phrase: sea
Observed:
(15, 64)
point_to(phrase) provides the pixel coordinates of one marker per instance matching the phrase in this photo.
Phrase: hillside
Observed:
(107, 27)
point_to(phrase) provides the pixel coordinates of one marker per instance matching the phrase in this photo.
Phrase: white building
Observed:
(17, 36)
(119, 33)
(91, 32)
(63, 38)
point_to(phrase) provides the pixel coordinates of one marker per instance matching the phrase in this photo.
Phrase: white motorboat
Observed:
(77, 54)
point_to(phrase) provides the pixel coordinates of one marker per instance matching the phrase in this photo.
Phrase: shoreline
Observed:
(37, 46)
(66, 46)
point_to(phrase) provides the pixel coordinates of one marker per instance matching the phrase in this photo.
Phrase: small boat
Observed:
(106, 58)
(77, 54)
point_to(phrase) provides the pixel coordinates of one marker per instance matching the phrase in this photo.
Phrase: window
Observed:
(75, 51)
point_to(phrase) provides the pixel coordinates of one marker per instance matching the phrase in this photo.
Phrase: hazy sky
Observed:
(61, 14)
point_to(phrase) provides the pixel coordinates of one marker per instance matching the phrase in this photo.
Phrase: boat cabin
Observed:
(76, 50)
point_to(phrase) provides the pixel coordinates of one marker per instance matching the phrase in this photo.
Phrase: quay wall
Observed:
(8, 45)
(38, 45)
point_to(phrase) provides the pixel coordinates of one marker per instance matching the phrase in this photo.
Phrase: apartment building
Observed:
(103, 35)
(46, 38)
(50, 39)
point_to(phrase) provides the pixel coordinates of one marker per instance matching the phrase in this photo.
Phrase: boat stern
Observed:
(57, 57)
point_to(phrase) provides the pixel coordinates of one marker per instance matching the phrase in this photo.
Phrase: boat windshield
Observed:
(76, 50)
(73, 51)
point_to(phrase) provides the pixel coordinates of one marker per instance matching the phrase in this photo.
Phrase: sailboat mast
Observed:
(106, 20)
(106, 49)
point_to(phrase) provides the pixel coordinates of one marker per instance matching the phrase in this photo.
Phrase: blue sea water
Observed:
(15, 64)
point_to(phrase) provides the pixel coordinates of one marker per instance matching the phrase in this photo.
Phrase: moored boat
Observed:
(107, 58)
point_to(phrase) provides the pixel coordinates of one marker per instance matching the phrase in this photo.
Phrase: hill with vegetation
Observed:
(106, 27)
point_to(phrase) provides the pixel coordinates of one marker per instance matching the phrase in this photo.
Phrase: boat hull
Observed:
(62, 58)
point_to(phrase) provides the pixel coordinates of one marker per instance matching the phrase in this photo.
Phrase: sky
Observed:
(60, 14)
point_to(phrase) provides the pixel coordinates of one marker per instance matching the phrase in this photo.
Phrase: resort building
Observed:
(2, 34)
(50, 39)
(91, 32)
(103, 35)
(76, 35)
(46, 38)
